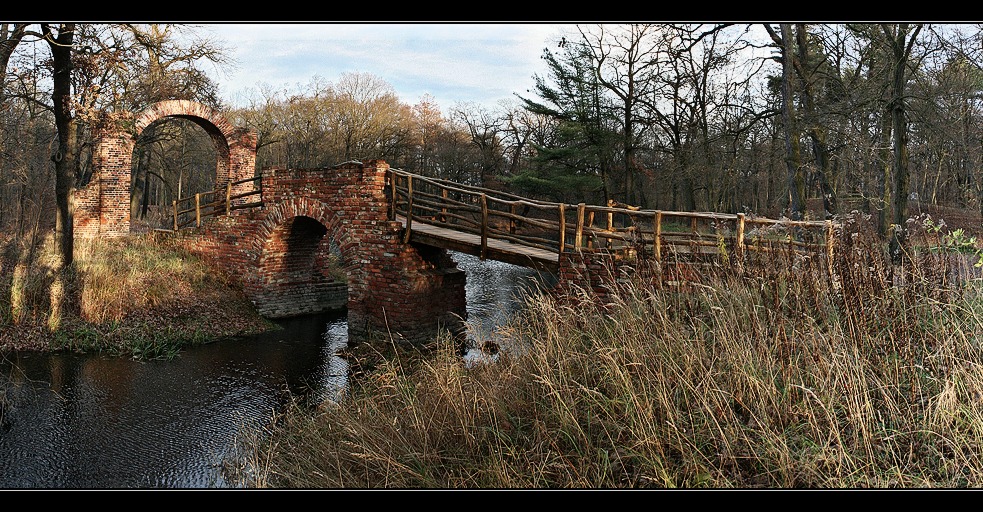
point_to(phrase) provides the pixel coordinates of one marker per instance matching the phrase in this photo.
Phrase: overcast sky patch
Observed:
(475, 63)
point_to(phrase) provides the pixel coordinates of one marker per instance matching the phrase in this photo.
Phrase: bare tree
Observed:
(793, 159)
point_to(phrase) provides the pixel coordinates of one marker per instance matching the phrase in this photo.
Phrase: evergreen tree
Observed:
(579, 163)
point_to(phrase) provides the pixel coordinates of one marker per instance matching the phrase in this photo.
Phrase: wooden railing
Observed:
(188, 211)
(558, 227)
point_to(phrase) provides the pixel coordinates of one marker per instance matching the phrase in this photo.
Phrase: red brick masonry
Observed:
(281, 251)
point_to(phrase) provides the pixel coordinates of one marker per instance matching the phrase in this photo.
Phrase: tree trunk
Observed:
(793, 159)
(66, 155)
(885, 179)
(901, 43)
(817, 134)
(10, 36)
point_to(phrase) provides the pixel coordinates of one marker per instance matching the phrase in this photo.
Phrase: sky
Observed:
(481, 63)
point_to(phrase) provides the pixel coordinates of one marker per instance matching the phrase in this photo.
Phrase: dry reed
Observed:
(786, 373)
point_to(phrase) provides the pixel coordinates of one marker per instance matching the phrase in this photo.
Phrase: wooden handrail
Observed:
(494, 214)
(214, 206)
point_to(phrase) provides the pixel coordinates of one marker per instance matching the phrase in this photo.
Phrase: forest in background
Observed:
(795, 378)
(764, 119)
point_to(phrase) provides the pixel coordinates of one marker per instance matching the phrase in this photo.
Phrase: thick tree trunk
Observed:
(66, 155)
(688, 194)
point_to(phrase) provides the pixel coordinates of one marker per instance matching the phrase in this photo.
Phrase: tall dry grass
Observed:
(777, 374)
(141, 295)
(138, 273)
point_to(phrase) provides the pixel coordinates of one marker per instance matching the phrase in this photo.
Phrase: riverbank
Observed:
(790, 376)
(140, 295)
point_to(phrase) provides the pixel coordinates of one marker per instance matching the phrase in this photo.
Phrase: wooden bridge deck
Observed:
(468, 243)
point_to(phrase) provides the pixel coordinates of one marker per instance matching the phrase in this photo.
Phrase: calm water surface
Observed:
(70, 421)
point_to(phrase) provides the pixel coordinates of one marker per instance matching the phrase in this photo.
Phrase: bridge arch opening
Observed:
(301, 270)
(173, 158)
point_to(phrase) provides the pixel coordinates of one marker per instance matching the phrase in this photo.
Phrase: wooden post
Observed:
(579, 239)
(563, 226)
(393, 180)
(607, 242)
(409, 208)
(198, 210)
(829, 246)
(175, 215)
(693, 225)
(228, 198)
(658, 235)
(740, 235)
(484, 225)
(512, 219)
(590, 223)
(443, 209)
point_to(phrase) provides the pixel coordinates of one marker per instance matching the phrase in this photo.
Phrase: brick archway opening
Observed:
(301, 270)
(173, 157)
(102, 206)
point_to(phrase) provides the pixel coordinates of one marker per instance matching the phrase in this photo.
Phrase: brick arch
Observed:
(290, 246)
(215, 125)
(390, 284)
(103, 205)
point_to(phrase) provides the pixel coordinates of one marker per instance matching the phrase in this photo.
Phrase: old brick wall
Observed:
(102, 207)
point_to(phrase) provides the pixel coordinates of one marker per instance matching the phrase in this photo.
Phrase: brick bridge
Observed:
(375, 240)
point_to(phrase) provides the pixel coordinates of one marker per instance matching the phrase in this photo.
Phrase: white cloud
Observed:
(453, 62)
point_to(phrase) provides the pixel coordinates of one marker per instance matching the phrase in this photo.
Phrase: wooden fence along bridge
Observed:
(375, 240)
(510, 228)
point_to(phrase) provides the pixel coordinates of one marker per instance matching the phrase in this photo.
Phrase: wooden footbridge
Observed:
(506, 227)
(497, 225)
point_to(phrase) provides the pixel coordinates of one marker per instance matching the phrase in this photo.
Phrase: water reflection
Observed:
(94, 422)
(74, 421)
(494, 292)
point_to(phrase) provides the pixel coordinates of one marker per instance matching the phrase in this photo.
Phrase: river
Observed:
(73, 421)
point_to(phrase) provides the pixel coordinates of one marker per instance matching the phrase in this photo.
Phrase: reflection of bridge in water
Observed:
(374, 239)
